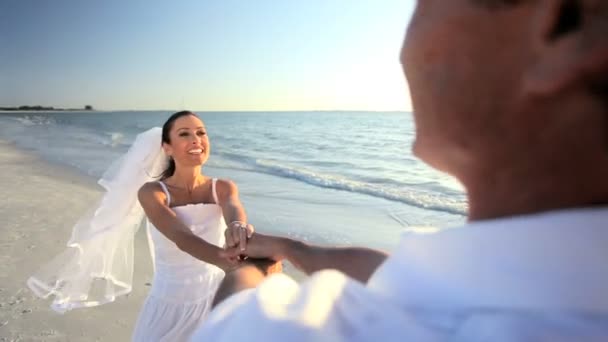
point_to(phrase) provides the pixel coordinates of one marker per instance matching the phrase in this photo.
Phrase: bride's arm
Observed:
(234, 214)
(153, 200)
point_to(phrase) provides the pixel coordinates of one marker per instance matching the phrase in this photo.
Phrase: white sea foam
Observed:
(331, 152)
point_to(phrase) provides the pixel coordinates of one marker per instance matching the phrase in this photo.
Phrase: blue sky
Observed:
(204, 55)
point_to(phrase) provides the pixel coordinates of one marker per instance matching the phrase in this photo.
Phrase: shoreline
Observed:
(49, 111)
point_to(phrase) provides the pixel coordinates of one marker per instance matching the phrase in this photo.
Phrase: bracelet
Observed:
(239, 224)
(242, 225)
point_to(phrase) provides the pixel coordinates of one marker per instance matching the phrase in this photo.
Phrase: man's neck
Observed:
(527, 190)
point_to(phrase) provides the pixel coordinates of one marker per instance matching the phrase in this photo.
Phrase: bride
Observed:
(187, 212)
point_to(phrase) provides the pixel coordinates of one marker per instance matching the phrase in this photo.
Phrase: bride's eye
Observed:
(201, 133)
(184, 134)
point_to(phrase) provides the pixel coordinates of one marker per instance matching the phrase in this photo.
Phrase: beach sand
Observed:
(39, 204)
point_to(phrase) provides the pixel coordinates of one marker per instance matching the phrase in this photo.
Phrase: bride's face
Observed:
(189, 144)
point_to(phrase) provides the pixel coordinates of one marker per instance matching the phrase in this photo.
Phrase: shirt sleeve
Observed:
(327, 307)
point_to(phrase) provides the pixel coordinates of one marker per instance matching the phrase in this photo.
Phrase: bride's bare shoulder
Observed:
(150, 187)
(226, 185)
(151, 191)
(225, 189)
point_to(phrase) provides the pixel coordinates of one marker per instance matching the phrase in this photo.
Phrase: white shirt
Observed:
(541, 277)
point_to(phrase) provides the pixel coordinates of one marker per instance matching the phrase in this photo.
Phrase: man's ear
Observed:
(570, 45)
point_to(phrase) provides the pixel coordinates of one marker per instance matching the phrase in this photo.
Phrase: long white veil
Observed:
(97, 265)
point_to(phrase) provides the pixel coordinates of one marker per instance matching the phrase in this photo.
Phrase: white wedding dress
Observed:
(183, 287)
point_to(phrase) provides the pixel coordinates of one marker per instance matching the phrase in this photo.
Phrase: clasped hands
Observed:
(244, 246)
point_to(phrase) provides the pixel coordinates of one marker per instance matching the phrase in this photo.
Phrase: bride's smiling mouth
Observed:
(196, 151)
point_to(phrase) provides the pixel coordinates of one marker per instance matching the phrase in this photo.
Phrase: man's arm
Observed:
(356, 262)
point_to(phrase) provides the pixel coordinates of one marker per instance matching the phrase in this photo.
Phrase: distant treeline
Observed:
(87, 107)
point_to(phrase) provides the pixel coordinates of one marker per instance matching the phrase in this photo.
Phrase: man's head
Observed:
(497, 83)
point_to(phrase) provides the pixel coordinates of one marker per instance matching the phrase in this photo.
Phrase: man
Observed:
(510, 97)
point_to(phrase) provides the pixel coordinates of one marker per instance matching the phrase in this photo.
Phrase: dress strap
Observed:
(162, 185)
(213, 181)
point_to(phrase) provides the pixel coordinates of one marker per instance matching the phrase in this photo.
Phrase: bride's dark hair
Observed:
(165, 138)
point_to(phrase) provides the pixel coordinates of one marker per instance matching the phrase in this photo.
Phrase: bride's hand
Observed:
(237, 234)
(228, 263)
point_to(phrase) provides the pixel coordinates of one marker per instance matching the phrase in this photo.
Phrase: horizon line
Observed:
(215, 111)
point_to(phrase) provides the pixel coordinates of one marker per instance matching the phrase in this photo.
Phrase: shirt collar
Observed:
(550, 261)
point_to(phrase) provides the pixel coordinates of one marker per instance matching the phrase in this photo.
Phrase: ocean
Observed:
(327, 177)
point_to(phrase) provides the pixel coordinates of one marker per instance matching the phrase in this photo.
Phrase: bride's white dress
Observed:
(183, 286)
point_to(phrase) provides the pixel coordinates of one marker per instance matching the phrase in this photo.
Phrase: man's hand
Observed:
(260, 246)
